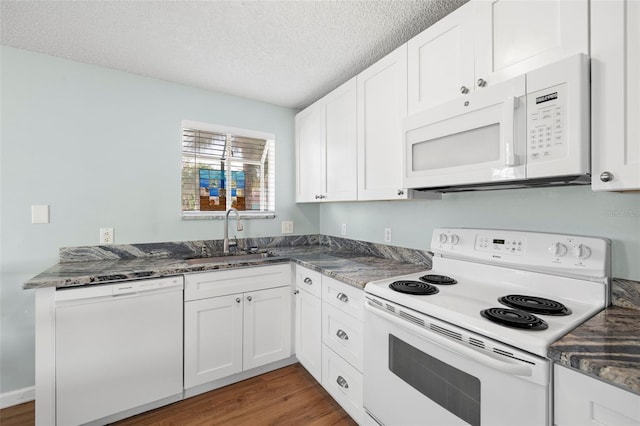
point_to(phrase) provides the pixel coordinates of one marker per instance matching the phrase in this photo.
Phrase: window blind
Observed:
(222, 170)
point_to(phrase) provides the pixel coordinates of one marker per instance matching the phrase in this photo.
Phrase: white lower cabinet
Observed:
(329, 336)
(581, 400)
(225, 334)
(212, 339)
(308, 334)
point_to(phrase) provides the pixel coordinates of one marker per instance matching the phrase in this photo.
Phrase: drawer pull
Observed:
(296, 291)
(342, 334)
(308, 281)
(342, 382)
(342, 297)
(237, 300)
(249, 298)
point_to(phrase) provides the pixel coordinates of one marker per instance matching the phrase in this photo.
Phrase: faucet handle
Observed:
(240, 226)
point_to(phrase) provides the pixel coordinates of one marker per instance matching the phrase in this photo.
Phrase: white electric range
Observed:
(466, 342)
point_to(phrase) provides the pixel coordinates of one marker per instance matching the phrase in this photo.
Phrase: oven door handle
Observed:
(458, 348)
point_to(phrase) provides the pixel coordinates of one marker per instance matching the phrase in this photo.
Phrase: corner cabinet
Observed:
(235, 320)
(326, 148)
(486, 42)
(308, 322)
(580, 400)
(615, 95)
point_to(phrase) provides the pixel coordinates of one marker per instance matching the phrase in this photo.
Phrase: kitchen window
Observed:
(225, 167)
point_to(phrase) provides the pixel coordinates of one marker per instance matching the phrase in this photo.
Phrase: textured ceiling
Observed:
(287, 53)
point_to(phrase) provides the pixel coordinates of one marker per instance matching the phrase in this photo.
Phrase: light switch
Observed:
(40, 214)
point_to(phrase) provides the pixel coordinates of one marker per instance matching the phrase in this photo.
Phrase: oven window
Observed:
(452, 389)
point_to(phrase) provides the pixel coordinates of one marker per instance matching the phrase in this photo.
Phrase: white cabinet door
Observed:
(340, 171)
(382, 105)
(615, 95)
(326, 148)
(212, 339)
(580, 400)
(485, 42)
(310, 138)
(267, 326)
(516, 36)
(308, 332)
(441, 60)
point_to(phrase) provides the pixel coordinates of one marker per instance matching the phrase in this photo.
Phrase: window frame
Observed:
(228, 130)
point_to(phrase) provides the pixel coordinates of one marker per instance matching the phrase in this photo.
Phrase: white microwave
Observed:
(531, 130)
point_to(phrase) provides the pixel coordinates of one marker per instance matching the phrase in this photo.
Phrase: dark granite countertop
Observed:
(606, 347)
(353, 268)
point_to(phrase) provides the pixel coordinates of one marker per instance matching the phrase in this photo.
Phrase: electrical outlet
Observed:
(343, 229)
(287, 227)
(106, 235)
(387, 235)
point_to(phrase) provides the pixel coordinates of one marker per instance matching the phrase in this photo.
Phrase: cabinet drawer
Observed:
(343, 382)
(343, 334)
(231, 281)
(309, 280)
(347, 298)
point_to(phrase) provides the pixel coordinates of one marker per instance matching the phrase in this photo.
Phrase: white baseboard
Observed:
(19, 396)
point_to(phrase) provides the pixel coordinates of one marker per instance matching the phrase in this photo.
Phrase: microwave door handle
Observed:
(508, 115)
(458, 348)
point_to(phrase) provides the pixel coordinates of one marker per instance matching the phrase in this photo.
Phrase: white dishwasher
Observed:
(118, 348)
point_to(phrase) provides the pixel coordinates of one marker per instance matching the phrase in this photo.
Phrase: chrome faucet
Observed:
(239, 227)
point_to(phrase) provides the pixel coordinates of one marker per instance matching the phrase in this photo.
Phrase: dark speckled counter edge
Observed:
(351, 261)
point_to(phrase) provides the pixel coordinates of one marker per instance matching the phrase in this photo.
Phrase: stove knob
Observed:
(443, 238)
(558, 249)
(455, 239)
(581, 251)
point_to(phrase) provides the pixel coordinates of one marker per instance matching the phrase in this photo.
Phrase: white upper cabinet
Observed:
(326, 148)
(441, 59)
(310, 131)
(615, 94)
(340, 173)
(488, 41)
(382, 105)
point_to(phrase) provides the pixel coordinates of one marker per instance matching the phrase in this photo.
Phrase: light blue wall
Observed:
(571, 210)
(102, 148)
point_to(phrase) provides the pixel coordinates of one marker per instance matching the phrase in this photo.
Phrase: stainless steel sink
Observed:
(228, 258)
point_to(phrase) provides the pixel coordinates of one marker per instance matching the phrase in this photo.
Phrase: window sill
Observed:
(221, 215)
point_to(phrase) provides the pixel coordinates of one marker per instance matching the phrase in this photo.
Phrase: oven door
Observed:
(479, 139)
(414, 375)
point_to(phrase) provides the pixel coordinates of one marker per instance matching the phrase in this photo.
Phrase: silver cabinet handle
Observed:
(342, 334)
(342, 382)
(249, 298)
(296, 291)
(238, 300)
(606, 176)
(481, 82)
(400, 192)
(342, 297)
(308, 281)
(318, 197)
(464, 90)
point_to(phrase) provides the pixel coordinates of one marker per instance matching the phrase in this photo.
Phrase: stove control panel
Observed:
(570, 255)
(501, 244)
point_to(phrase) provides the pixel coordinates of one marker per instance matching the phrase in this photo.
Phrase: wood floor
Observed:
(288, 396)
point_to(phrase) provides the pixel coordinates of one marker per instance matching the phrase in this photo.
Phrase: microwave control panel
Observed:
(546, 124)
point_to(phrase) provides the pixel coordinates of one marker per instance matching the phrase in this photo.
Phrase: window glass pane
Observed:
(223, 170)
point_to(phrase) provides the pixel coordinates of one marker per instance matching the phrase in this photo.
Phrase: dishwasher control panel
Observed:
(120, 288)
